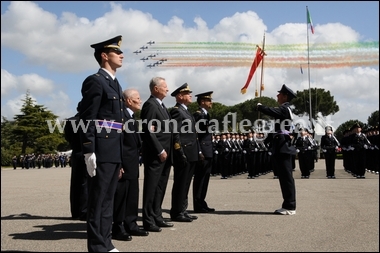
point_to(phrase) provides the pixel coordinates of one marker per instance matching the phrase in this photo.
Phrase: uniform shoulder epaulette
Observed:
(198, 111)
(96, 74)
(175, 107)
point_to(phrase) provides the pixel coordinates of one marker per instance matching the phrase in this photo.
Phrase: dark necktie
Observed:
(117, 85)
(134, 123)
(165, 110)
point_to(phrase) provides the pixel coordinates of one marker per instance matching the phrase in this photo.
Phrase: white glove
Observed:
(269, 153)
(245, 152)
(309, 148)
(90, 160)
(336, 148)
(352, 148)
(324, 150)
(226, 149)
(365, 146)
(298, 150)
(256, 149)
(216, 152)
(233, 150)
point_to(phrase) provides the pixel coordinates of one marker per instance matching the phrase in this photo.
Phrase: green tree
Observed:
(31, 128)
(247, 109)
(373, 120)
(345, 126)
(321, 101)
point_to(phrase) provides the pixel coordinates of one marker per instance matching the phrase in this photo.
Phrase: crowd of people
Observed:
(104, 188)
(32, 161)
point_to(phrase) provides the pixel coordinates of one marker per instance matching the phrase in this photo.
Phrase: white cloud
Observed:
(60, 44)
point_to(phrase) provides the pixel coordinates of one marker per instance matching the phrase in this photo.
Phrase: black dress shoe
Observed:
(153, 228)
(210, 209)
(181, 218)
(193, 217)
(139, 232)
(122, 237)
(164, 224)
(201, 210)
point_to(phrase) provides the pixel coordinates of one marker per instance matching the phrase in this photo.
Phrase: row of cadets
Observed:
(372, 134)
(355, 147)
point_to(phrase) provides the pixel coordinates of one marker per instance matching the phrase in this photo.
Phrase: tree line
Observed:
(28, 132)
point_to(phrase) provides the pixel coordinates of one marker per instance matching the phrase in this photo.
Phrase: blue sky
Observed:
(45, 48)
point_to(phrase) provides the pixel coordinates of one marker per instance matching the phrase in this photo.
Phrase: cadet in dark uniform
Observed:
(204, 167)
(186, 154)
(360, 144)
(102, 107)
(224, 156)
(281, 149)
(302, 145)
(78, 181)
(329, 145)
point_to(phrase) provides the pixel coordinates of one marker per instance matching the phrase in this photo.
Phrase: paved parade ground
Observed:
(333, 215)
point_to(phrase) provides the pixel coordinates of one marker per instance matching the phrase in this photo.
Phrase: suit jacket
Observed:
(281, 143)
(186, 142)
(131, 149)
(73, 137)
(155, 141)
(204, 135)
(102, 99)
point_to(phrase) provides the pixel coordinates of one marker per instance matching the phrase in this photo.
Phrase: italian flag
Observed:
(310, 22)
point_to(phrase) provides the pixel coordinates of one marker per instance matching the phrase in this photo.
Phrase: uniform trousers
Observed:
(330, 163)
(283, 166)
(101, 194)
(181, 184)
(200, 183)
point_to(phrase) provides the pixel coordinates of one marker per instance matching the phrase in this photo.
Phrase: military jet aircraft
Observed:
(150, 42)
(152, 55)
(144, 59)
(150, 65)
(137, 52)
(144, 47)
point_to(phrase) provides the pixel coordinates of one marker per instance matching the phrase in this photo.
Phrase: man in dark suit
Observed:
(282, 150)
(186, 154)
(204, 167)
(78, 181)
(102, 111)
(126, 202)
(157, 154)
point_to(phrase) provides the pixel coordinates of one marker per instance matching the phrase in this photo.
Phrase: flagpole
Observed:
(308, 67)
(262, 73)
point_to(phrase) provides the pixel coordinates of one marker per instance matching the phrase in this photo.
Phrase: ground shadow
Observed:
(71, 230)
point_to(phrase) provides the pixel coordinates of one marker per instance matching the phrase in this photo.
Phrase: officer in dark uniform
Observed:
(102, 107)
(203, 168)
(78, 181)
(281, 149)
(187, 152)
